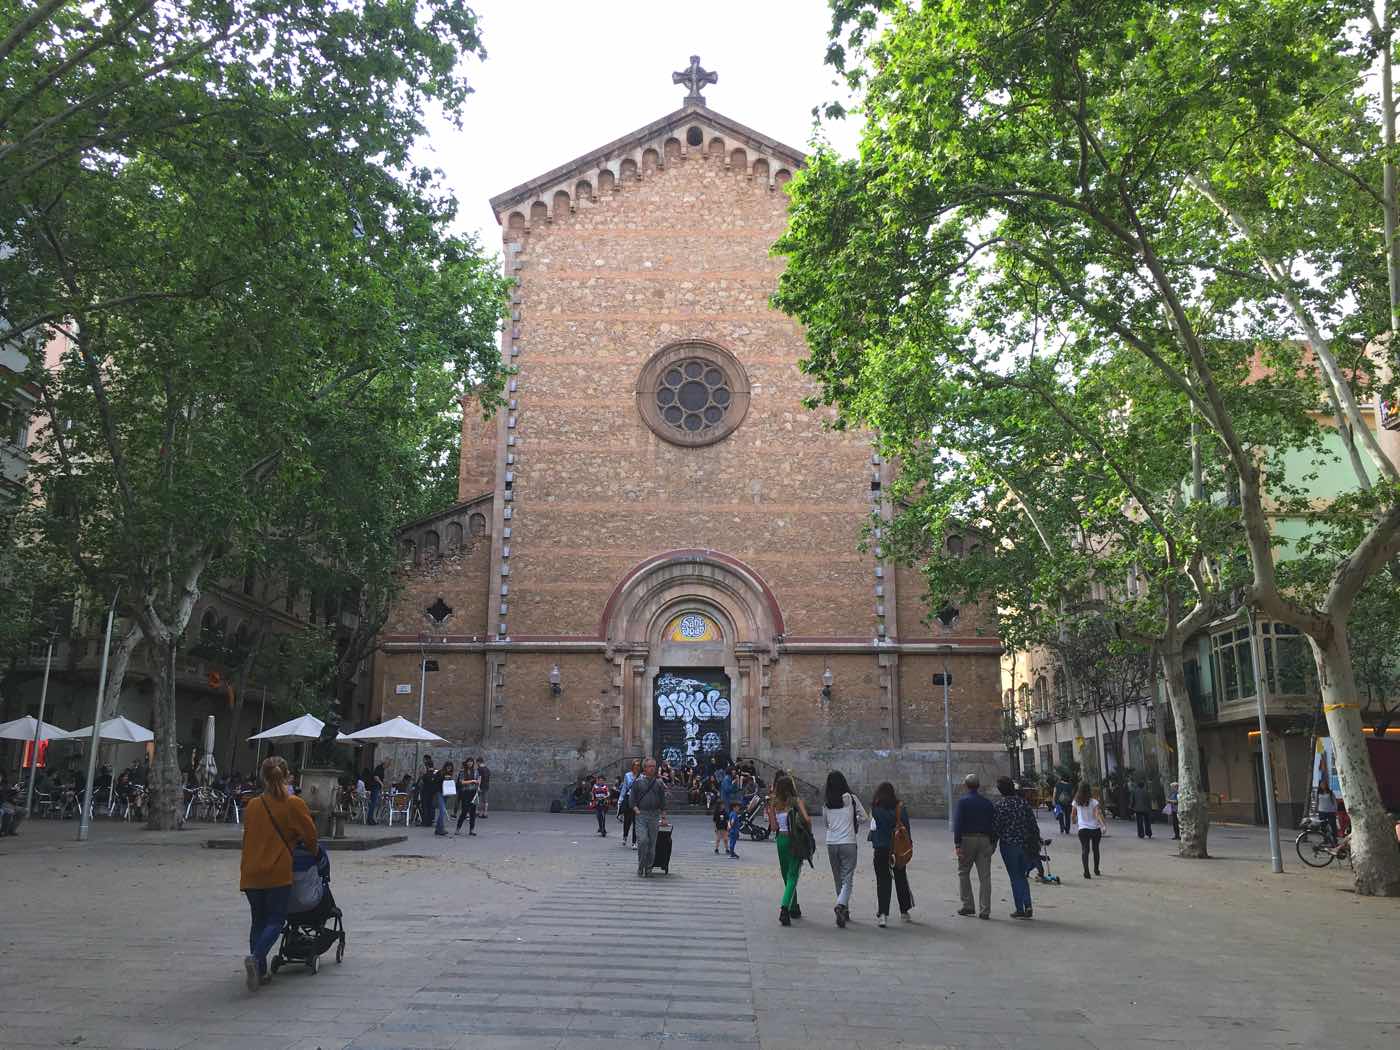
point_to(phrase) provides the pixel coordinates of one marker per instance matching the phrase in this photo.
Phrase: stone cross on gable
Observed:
(695, 78)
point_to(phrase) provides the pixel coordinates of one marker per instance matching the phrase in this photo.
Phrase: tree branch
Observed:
(26, 26)
(1321, 346)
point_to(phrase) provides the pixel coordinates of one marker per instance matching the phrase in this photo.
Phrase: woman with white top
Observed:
(1089, 822)
(783, 803)
(844, 814)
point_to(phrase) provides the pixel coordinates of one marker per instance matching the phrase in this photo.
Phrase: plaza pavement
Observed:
(536, 934)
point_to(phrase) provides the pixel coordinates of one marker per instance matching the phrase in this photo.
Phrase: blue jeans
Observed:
(373, 804)
(441, 815)
(1014, 857)
(269, 908)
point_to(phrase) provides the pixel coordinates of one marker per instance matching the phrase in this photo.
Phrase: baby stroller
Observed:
(313, 923)
(753, 822)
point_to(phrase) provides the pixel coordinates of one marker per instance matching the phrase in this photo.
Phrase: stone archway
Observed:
(724, 592)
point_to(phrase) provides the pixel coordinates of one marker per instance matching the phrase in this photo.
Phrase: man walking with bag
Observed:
(648, 798)
(974, 839)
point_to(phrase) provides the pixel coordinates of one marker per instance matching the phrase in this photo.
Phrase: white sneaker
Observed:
(879, 920)
(906, 917)
(250, 972)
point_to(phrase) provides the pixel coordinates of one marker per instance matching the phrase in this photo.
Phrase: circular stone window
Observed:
(693, 393)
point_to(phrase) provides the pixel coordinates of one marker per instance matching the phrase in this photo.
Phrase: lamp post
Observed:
(1275, 853)
(426, 665)
(85, 819)
(38, 731)
(945, 680)
(555, 688)
(827, 680)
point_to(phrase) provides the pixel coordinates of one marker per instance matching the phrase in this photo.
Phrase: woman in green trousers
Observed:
(780, 805)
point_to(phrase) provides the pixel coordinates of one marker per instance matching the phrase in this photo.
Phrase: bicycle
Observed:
(1316, 846)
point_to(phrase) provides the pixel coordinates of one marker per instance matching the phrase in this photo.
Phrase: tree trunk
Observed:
(1373, 848)
(1192, 809)
(122, 651)
(166, 786)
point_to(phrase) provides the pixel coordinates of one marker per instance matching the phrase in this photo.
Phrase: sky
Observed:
(562, 78)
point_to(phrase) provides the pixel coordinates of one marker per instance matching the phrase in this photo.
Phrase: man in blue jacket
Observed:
(974, 841)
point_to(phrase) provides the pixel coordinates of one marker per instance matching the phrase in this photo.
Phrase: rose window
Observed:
(693, 393)
(693, 396)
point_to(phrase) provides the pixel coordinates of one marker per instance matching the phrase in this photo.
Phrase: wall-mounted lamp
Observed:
(826, 686)
(554, 680)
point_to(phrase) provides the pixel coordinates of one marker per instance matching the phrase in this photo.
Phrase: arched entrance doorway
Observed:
(690, 634)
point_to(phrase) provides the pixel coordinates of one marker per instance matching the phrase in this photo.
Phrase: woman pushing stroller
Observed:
(273, 823)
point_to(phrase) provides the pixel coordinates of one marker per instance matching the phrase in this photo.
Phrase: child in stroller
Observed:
(313, 924)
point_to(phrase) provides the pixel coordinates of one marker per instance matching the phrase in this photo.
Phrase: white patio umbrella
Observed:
(23, 729)
(120, 728)
(304, 727)
(396, 729)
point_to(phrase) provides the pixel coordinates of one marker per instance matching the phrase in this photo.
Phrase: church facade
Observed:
(659, 550)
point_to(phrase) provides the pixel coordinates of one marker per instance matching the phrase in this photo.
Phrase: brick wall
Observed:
(682, 253)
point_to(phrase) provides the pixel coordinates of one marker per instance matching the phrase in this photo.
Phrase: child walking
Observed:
(601, 796)
(733, 829)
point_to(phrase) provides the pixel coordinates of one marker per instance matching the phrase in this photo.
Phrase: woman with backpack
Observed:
(787, 817)
(844, 815)
(891, 820)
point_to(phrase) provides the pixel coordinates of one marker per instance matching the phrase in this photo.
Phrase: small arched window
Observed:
(208, 628)
(431, 542)
(454, 535)
(476, 525)
(954, 546)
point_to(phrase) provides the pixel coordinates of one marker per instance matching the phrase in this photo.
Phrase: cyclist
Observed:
(1327, 811)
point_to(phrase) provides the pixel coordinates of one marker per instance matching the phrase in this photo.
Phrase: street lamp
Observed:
(85, 814)
(555, 687)
(428, 665)
(38, 731)
(945, 680)
(826, 685)
(1270, 811)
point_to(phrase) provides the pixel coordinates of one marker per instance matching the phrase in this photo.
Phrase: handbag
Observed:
(901, 842)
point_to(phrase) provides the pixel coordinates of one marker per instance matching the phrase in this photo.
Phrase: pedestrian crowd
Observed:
(984, 827)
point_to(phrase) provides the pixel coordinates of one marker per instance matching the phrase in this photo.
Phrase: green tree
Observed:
(213, 203)
(1183, 182)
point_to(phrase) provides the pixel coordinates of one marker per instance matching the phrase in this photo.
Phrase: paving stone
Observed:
(443, 958)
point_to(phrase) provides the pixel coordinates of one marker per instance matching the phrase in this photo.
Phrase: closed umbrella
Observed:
(119, 729)
(209, 767)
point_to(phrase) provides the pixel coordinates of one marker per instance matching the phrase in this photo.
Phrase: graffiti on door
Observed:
(690, 718)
